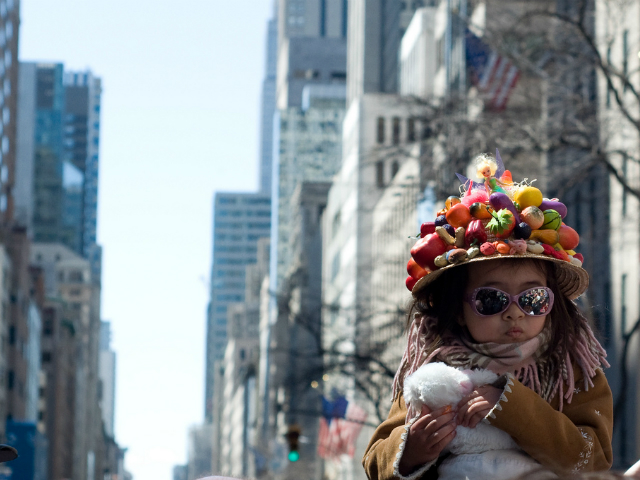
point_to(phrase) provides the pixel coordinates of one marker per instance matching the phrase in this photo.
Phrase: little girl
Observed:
(487, 304)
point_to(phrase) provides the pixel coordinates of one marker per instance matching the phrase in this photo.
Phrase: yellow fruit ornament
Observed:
(527, 197)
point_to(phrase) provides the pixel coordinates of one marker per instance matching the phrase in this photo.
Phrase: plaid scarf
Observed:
(520, 358)
(547, 375)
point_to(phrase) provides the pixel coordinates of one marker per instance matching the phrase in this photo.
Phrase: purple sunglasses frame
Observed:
(470, 299)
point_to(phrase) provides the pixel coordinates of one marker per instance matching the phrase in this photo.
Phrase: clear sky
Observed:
(180, 116)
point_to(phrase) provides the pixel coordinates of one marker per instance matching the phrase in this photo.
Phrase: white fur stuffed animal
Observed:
(483, 452)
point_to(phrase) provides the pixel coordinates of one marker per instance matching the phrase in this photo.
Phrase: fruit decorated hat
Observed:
(496, 219)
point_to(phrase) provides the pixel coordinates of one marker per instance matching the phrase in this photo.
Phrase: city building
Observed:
(240, 220)
(58, 154)
(5, 321)
(70, 350)
(311, 47)
(199, 452)
(239, 453)
(268, 107)
(299, 362)
(309, 149)
(376, 28)
(617, 35)
(9, 27)
(107, 374)
(83, 93)
(20, 361)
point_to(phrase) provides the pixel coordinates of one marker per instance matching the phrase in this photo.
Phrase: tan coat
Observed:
(576, 439)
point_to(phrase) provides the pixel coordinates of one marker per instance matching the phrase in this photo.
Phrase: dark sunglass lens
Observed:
(490, 302)
(535, 301)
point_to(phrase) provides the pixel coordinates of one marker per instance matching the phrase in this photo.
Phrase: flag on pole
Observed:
(340, 425)
(495, 76)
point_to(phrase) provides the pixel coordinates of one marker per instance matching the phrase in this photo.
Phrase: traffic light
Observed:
(293, 434)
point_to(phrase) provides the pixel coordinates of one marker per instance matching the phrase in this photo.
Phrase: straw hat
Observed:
(495, 220)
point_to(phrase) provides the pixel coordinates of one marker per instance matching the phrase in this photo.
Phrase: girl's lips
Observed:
(514, 332)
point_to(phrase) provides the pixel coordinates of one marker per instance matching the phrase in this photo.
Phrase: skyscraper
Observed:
(375, 32)
(311, 47)
(107, 373)
(58, 144)
(83, 93)
(240, 219)
(268, 106)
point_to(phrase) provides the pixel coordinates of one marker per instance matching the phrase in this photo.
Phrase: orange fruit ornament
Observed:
(480, 211)
(450, 202)
(458, 215)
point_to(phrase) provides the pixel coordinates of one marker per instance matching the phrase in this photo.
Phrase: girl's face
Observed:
(486, 171)
(512, 325)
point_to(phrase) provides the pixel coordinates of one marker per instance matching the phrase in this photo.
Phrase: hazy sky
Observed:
(180, 108)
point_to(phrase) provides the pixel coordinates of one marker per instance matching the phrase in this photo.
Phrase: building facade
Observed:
(617, 35)
(107, 366)
(240, 220)
(311, 47)
(268, 106)
(9, 36)
(68, 285)
(58, 157)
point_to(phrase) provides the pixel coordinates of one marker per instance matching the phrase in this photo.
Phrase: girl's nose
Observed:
(512, 312)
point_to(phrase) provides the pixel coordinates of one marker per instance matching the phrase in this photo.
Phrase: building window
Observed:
(308, 74)
(440, 52)
(426, 130)
(76, 276)
(335, 265)
(411, 130)
(380, 173)
(396, 130)
(380, 132)
(395, 166)
(335, 225)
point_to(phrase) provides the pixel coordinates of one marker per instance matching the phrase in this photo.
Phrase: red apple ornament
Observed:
(427, 249)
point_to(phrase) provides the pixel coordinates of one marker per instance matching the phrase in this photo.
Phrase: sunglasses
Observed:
(487, 301)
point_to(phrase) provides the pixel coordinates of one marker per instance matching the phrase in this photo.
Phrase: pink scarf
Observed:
(524, 359)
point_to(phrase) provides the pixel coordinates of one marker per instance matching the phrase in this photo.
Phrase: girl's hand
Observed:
(477, 405)
(427, 437)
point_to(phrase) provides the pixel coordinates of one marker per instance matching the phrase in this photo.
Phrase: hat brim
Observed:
(573, 281)
(7, 453)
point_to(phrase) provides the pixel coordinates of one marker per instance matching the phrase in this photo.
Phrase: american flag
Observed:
(338, 435)
(495, 76)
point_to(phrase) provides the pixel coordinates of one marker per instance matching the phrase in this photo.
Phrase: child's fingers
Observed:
(446, 440)
(432, 419)
(476, 407)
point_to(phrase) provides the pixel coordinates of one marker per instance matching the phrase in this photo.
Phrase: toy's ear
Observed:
(466, 386)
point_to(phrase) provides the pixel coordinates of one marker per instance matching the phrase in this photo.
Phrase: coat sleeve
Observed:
(576, 439)
(385, 448)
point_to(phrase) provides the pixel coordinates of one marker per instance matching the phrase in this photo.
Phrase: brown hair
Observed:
(442, 300)
(439, 308)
